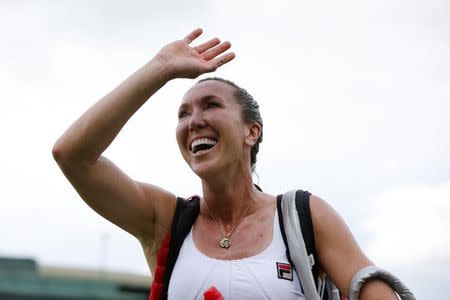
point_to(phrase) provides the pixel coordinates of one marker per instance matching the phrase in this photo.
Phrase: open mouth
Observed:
(202, 144)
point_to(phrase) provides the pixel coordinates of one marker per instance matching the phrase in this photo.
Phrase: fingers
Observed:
(214, 52)
(221, 60)
(211, 51)
(193, 35)
(208, 45)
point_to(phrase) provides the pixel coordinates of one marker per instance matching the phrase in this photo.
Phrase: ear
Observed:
(253, 134)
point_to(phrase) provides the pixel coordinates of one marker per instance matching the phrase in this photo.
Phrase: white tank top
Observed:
(266, 275)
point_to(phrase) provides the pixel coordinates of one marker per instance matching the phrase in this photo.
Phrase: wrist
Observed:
(377, 289)
(157, 72)
(162, 67)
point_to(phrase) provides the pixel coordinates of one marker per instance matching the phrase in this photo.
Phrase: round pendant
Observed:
(225, 243)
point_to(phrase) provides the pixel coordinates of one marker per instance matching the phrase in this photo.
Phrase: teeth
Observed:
(201, 141)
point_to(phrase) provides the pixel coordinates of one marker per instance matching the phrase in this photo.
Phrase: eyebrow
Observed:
(203, 99)
(182, 107)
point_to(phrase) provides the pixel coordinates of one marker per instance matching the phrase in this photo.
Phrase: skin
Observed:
(207, 110)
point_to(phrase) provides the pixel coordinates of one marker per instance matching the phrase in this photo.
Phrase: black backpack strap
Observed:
(185, 214)
(302, 205)
(283, 233)
(306, 225)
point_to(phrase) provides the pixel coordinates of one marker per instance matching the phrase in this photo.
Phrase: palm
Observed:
(189, 62)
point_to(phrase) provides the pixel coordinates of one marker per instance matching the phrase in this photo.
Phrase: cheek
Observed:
(181, 135)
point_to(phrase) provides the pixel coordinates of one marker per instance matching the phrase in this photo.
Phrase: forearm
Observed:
(93, 132)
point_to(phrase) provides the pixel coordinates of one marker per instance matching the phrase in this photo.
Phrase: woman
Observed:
(236, 231)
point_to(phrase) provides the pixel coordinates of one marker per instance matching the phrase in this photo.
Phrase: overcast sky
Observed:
(355, 99)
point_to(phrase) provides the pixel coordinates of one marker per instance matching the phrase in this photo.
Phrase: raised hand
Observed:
(185, 61)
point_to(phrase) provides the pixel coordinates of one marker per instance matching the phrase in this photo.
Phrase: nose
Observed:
(196, 121)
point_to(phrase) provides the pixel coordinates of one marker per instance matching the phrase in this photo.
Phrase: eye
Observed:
(182, 114)
(212, 104)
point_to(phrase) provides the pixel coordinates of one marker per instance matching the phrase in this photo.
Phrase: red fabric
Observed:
(163, 254)
(212, 294)
(159, 274)
(155, 292)
(158, 277)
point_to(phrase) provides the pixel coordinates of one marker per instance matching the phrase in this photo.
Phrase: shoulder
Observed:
(329, 228)
(183, 215)
(322, 213)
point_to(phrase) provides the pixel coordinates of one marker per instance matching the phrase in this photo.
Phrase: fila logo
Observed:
(284, 271)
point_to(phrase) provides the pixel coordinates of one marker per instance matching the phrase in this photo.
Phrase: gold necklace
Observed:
(225, 241)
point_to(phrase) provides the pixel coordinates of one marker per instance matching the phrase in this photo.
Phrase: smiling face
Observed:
(211, 132)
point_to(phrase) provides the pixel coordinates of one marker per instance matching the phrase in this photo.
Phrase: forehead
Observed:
(207, 89)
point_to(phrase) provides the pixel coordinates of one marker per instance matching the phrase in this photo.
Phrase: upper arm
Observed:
(143, 210)
(339, 255)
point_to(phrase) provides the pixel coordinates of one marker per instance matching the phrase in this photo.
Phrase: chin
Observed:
(205, 169)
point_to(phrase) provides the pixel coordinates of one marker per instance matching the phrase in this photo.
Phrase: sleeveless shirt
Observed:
(266, 275)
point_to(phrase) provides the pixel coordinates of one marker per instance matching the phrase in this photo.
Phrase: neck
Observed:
(229, 196)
